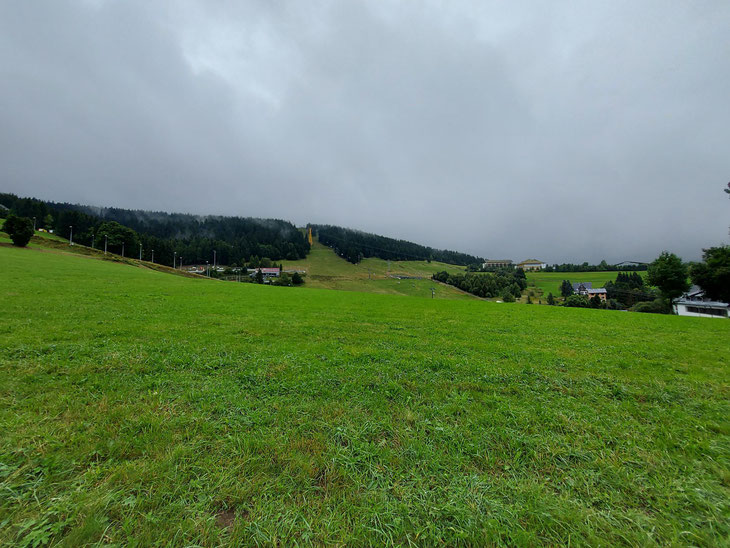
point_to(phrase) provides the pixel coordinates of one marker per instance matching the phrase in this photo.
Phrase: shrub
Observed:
(595, 302)
(613, 304)
(284, 279)
(658, 306)
(20, 229)
(576, 301)
(507, 296)
(297, 279)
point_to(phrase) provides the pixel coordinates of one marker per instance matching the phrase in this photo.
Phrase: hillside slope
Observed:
(142, 408)
(326, 270)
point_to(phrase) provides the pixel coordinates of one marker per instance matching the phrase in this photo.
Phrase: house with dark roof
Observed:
(586, 289)
(581, 288)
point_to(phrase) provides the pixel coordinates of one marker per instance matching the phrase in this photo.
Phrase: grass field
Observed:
(547, 282)
(141, 408)
(325, 270)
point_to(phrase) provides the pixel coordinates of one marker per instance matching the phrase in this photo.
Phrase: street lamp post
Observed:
(122, 249)
(207, 269)
(106, 239)
(153, 256)
(140, 251)
(174, 260)
(93, 239)
(71, 235)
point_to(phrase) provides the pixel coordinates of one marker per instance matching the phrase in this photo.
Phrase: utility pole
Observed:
(214, 259)
(174, 260)
(106, 239)
(140, 251)
(153, 256)
(93, 236)
(122, 249)
(207, 269)
(71, 235)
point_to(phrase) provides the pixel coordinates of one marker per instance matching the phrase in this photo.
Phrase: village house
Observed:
(600, 292)
(586, 289)
(531, 264)
(694, 303)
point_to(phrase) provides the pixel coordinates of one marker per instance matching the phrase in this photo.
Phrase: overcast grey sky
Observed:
(554, 130)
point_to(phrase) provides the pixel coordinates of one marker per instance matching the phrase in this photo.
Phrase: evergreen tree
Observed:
(20, 230)
(550, 299)
(566, 288)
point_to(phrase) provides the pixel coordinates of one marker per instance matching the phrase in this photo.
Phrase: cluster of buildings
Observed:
(267, 273)
(692, 303)
(527, 264)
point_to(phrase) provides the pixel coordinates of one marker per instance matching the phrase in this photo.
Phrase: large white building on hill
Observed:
(531, 264)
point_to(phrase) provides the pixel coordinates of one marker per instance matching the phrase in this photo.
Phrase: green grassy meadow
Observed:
(142, 408)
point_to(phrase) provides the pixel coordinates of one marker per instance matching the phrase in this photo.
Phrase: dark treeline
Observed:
(629, 289)
(506, 283)
(601, 267)
(235, 239)
(354, 246)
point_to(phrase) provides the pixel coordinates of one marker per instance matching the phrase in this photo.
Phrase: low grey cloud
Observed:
(557, 131)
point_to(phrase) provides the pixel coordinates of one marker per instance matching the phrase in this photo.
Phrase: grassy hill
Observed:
(48, 242)
(326, 270)
(142, 408)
